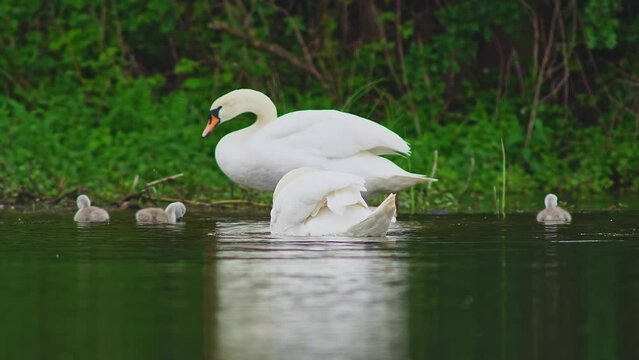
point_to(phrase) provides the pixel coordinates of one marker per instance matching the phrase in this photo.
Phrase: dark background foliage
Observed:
(94, 93)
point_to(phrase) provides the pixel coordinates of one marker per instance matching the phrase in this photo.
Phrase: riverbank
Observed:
(261, 204)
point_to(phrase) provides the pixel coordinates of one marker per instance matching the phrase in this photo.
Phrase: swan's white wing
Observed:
(338, 200)
(305, 195)
(331, 134)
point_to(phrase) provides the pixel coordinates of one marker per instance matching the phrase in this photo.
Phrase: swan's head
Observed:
(176, 208)
(238, 102)
(550, 201)
(83, 201)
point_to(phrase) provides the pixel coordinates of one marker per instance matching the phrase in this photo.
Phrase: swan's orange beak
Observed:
(213, 121)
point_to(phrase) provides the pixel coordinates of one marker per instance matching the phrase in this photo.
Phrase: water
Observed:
(220, 286)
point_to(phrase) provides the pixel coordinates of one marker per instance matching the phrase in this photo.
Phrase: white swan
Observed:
(169, 215)
(88, 213)
(311, 202)
(259, 155)
(553, 213)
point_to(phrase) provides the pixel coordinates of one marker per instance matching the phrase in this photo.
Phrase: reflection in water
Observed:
(307, 298)
(89, 225)
(221, 287)
(543, 294)
(550, 231)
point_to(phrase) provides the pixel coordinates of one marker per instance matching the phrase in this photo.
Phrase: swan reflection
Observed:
(336, 296)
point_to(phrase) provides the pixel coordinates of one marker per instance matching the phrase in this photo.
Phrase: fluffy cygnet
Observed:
(169, 215)
(553, 213)
(88, 213)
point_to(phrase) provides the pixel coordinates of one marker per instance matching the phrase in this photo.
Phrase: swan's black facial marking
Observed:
(214, 120)
(215, 112)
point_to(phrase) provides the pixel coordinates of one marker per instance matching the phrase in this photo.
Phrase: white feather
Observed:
(258, 156)
(315, 202)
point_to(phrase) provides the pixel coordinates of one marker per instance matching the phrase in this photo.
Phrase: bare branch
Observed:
(541, 72)
(149, 185)
(164, 179)
(273, 49)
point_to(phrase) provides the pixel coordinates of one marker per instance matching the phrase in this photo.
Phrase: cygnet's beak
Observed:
(213, 121)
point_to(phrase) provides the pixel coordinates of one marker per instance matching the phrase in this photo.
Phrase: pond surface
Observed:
(220, 286)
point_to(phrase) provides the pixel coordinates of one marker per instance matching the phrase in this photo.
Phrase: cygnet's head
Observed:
(176, 208)
(550, 201)
(83, 201)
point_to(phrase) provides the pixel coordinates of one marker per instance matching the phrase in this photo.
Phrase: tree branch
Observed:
(273, 49)
(149, 185)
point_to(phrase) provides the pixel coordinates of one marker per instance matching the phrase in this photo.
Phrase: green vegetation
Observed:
(94, 93)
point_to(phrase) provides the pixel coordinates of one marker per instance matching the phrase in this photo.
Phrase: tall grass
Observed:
(503, 179)
(500, 203)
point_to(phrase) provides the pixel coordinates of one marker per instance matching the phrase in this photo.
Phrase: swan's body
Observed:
(88, 213)
(169, 215)
(311, 202)
(553, 213)
(258, 156)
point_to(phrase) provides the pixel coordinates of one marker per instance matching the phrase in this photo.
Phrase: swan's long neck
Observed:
(260, 105)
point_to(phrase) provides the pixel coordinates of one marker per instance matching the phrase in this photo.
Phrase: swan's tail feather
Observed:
(413, 178)
(377, 223)
(398, 182)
